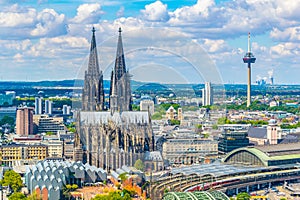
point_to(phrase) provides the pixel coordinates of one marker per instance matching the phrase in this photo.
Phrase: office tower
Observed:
(45, 123)
(48, 107)
(271, 78)
(249, 58)
(66, 110)
(203, 96)
(233, 137)
(207, 94)
(38, 105)
(24, 121)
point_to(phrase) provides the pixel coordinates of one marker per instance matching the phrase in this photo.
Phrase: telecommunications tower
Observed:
(249, 58)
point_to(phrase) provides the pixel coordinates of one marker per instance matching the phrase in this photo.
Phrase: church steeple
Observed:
(93, 67)
(93, 91)
(120, 67)
(120, 91)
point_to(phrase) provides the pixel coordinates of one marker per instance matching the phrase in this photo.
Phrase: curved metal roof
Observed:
(203, 195)
(270, 153)
(214, 169)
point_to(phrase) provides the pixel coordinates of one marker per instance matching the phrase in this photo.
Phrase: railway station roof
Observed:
(214, 169)
(267, 155)
(203, 195)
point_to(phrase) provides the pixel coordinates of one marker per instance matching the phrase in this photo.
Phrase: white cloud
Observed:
(120, 12)
(288, 9)
(88, 14)
(17, 17)
(18, 22)
(58, 47)
(50, 24)
(29, 32)
(18, 45)
(18, 58)
(288, 34)
(213, 46)
(280, 49)
(196, 13)
(156, 11)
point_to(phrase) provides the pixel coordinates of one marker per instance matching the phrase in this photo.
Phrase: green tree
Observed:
(206, 135)
(223, 120)
(17, 196)
(67, 189)
(7, 120)
(243, 196)
(49, 133)
(166, 106)
(139, 165)
(215, 127)
(13, 180)
(34, 196)
(135, 107)
(174, 122)
(123, 176)
(156, 116)
(113, 196)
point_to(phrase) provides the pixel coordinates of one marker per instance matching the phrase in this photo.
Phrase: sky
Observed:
(164, 41)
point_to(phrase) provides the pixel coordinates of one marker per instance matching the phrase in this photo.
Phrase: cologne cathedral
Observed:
(111, 136)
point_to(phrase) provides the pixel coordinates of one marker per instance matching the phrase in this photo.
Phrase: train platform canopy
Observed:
(203, 195)
(214, 169)
(267, 155)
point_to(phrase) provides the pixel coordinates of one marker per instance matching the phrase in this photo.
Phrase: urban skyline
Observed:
(48, 41)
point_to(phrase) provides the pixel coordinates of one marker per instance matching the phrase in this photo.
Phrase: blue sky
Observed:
(165, 41)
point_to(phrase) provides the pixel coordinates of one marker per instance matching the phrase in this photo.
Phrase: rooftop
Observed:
(215, 169)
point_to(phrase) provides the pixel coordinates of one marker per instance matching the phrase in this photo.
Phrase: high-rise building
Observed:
(207, 94)
(66, 110)
(233, 137)
(48, 107)
(119, 136)
(24, 121)
(38, 109)
(45, 123)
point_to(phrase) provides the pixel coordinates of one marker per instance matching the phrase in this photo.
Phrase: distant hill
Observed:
(153, 88)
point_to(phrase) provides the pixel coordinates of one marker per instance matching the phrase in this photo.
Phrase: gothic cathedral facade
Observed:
(111, 136)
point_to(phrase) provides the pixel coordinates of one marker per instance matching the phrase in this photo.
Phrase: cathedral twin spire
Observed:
(93, 92)
(93, 66)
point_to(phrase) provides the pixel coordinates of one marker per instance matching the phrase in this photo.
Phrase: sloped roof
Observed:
(126, 117)
(255, 132)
